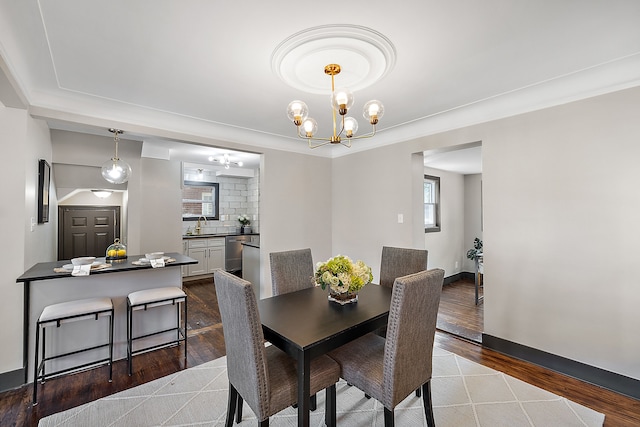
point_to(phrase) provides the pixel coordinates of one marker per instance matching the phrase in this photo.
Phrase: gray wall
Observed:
(24, 141)
(560, 219)
(446, 246)
(472, 216)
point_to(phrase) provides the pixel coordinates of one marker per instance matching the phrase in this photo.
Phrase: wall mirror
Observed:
(200, 199)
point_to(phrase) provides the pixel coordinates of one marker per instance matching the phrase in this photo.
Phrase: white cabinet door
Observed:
(201, 267)
(216, 253)
(216, 258)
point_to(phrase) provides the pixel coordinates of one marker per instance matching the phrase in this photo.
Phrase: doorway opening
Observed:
(459, 170)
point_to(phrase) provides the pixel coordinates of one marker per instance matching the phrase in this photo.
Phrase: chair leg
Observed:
(111, 346)
(129, 338)
(239, 410)
(231, 406)
(388, 418)
(264, 423)
(330, 406)
(428, 404)
(313, 403)
(35, 367)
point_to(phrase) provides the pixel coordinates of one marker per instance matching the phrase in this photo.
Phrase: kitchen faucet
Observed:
(198, 223)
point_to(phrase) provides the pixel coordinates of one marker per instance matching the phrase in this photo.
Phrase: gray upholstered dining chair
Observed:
(265, 377)
(389, 370)
(291, 271)
(398, 262)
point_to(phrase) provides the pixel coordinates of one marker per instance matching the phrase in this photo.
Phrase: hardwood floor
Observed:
(206, 342)
(458, 314)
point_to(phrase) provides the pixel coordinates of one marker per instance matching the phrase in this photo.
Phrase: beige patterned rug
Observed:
(464, 394)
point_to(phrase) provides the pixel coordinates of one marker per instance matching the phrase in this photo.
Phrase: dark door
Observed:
(86, 230)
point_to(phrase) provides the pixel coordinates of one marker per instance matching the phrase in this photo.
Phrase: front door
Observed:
(86, 230)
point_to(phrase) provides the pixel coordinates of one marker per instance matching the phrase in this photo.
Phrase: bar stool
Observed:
(148, 298)
(65, 312)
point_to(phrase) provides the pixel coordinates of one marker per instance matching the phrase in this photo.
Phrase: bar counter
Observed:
(43, 286)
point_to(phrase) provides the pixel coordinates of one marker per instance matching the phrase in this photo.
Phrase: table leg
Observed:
(25, 331)
(304, 388)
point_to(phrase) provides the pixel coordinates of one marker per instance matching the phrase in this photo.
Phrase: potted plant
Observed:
(245, 223)
(476, 252)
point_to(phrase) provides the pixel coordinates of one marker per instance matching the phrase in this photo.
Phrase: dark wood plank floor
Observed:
(459, 314)
(206, 342)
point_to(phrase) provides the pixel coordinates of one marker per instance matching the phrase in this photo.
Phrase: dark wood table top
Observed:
(307, 321)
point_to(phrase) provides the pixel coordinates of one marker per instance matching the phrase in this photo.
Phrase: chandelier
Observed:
(341, 102)
(225, 161)
(116, 171)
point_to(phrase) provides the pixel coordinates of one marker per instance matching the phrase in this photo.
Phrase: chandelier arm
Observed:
(318, 145)
(368, 135)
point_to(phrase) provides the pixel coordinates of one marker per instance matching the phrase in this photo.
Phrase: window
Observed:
(431, 203)
(200, 199)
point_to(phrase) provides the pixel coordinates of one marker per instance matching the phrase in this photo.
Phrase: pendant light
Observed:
(116, 171)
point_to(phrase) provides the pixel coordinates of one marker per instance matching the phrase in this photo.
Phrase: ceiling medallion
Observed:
(365, 56)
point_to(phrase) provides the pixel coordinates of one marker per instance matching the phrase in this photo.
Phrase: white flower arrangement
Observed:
(244, 219)
(343, 275)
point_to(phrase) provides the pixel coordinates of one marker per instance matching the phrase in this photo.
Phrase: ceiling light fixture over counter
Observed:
(225, 161)
(116, 171)
(341, 102)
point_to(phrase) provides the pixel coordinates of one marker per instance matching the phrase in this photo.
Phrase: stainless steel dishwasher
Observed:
(233, 252)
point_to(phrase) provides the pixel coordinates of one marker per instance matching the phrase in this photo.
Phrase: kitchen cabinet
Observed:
(210, 255)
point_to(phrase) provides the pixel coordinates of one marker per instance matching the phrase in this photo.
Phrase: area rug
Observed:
(464, 394)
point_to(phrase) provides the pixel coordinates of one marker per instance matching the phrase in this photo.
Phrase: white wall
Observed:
(560, 218)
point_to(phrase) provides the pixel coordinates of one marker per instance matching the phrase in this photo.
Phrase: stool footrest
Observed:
(93, 364)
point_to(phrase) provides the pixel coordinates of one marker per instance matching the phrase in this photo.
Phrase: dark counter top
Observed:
(44, 270)
(204, 236)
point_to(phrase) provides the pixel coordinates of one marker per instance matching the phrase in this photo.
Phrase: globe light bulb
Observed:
(297, 111)
(373, 111)
(350, 126)
(342, 100)
(310, 127)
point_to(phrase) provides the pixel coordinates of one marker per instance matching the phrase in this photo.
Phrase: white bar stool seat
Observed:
(65, 312)
(148, 298)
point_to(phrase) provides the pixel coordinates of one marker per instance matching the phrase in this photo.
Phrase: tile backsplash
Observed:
(237, 196)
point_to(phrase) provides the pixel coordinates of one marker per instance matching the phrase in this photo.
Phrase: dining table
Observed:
(305, 324)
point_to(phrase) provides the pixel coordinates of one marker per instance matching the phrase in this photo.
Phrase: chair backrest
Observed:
(410, 334)
(398, 262)
(244, 341)
(291, 271)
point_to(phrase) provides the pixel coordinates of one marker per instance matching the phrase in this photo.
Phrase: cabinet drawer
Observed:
(198, 243)
(216, 241)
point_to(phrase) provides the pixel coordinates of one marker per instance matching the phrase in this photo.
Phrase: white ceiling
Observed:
(199, 70)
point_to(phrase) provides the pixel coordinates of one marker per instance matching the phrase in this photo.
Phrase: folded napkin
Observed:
(81, 270)
(155, 263)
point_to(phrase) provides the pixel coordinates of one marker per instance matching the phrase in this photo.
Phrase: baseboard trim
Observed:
(610, 380)
(12, 379)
